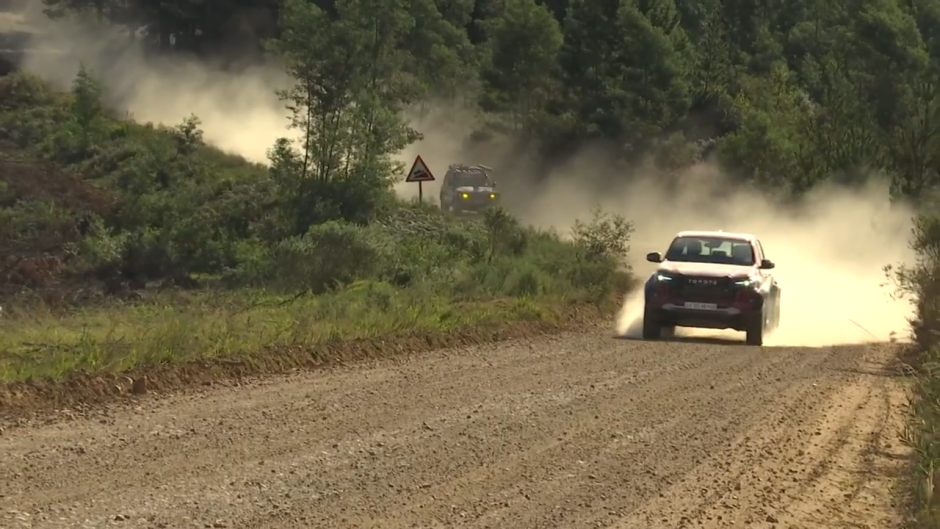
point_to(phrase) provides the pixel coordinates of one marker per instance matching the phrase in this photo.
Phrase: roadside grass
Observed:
(924, 437)
(169, 329)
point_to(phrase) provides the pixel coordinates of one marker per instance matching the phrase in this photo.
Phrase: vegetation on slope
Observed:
(154, 204)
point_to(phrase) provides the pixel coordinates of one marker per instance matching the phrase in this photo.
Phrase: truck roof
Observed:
(463, 168)
(717, 234)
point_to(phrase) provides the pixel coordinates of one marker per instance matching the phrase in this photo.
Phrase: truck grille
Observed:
(476, 200)
(479, 198)
(704, 289)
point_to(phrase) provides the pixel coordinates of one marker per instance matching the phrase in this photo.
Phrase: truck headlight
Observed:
(492, 195)
(465, 195)
(664, 277)
(745, 282)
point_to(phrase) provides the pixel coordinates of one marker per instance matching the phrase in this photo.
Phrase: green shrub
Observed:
(329, 255)
(505, 232)
(606, 235)
(100, 251)
(920, 283)
(526, 280)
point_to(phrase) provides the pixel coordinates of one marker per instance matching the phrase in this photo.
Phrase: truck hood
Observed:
(470, 189)
(705, 269)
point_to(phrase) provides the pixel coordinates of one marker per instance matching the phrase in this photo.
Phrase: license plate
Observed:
(701, 306)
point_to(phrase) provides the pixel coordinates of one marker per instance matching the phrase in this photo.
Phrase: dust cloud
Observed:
(829, 253)
(239, 111)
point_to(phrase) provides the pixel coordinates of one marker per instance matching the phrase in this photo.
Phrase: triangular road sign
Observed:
(419, 172)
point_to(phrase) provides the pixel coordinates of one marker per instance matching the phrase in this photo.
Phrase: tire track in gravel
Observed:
(198, 438)
(577, 430)
(532, 469)
(810, 463)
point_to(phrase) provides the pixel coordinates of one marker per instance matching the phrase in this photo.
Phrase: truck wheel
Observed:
(652, 330)
(755, 330)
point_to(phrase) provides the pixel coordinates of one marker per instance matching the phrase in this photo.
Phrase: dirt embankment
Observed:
(572, 430)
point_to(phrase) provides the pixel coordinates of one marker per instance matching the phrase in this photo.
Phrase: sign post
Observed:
(420, 173)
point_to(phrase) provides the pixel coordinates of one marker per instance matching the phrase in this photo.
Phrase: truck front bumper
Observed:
(679, 315)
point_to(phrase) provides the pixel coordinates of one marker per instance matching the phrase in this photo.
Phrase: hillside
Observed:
(106, 206)
(62, 211)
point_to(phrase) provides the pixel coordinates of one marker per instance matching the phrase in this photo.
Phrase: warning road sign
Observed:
(419, 172)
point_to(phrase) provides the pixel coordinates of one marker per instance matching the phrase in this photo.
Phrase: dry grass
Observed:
(923, 436)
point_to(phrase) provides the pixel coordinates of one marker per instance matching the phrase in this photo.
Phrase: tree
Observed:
(914, 143)
(442, 58)
(521, 59)
(767, 148)
(624, 80)
(87, 109)
(350, 87)
(791, 93)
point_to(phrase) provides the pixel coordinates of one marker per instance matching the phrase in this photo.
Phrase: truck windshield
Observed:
(716, 250)
(471, 179)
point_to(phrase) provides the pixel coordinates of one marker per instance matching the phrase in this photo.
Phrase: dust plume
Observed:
(829, 251)
(239, 110)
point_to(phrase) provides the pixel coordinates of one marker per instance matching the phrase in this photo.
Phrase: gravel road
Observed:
(575, 430)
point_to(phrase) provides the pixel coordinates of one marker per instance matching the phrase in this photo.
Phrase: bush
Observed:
(413, 250)
(920, 282)
(329, 255)
(505, 232)
(606, 235)
(101, 250)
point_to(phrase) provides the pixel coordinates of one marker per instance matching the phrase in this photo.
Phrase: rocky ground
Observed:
(573, 430)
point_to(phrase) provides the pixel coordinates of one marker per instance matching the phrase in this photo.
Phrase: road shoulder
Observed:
(82, 393)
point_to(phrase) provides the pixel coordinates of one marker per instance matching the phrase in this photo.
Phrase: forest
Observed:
(784, 95)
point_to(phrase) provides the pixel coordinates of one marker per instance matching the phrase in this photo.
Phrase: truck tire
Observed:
(755, 330)
(652, 330)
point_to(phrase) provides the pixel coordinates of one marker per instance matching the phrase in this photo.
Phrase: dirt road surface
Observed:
(576, 430)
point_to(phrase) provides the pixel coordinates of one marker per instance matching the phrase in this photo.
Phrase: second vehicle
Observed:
(468, 189)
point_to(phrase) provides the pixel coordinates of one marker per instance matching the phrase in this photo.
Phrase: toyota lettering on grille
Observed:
(703, 281)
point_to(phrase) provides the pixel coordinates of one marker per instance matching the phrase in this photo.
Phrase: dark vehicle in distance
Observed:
(468, 189)
(713, 280)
